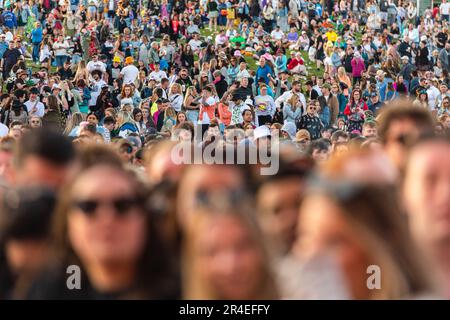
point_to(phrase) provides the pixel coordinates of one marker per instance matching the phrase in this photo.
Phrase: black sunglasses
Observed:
(121, 206)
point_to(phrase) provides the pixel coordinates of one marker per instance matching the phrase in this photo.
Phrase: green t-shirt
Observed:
(239, 39)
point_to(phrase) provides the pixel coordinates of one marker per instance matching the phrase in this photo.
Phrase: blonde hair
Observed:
(124, 117)
(74, 121)
(293, 100)
(170, 112)
(194, 285)
(175, 85)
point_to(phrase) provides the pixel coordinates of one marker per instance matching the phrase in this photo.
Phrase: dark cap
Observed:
(236, 96)
(34, 90)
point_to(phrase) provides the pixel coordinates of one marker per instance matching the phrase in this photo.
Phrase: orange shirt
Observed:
(224, 114)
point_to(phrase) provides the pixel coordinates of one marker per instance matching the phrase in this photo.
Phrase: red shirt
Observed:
(435, 12)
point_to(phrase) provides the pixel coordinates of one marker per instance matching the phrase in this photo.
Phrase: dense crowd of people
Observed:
(350, 98)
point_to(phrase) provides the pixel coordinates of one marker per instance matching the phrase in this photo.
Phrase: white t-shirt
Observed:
(220, 39)
(277, 35)
(158, 75)
(3, 130)
(91, 66)
(195, 44)
(130, 74)
(445, 8)
(176, 101)
(61, 48)
(432, 93)
(210, 101)
(95, 91)
(9, 36)
(39, 106)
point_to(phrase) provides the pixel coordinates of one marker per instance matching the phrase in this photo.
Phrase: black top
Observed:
(53, 285)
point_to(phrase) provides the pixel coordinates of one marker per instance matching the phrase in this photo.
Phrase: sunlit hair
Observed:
(124, 117)
(177, 86)
(74, 121)
(123, 94)
(373, 213)
(194, 285)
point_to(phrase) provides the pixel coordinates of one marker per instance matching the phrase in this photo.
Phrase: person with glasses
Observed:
(401, 124)
(445, 107)
(311, 121)
(355, 111)
(443, 92)
(103, 225)
(35, 122)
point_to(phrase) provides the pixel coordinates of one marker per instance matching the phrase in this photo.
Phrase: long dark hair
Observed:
(155, 276)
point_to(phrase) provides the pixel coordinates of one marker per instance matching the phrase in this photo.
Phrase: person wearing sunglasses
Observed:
(311, 121)
(35, 122)
(400, 124)
(102, 226)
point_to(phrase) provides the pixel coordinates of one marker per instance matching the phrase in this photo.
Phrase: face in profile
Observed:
(229, 259)
(105, 224)
(426, 192)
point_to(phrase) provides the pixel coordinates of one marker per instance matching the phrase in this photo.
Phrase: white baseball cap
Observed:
(261, 132)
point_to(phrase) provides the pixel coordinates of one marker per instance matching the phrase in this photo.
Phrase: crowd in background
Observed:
(351, 98)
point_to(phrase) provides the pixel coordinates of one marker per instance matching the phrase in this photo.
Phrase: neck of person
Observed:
(112, 277)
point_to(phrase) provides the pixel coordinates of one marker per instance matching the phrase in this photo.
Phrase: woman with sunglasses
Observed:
(103, 229)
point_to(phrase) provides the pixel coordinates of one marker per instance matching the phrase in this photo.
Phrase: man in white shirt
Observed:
(243, 72)
(432, 93)
(296, 89)
(444, 10)
(34, 106)
(221, 38)
(95, 64)
(277, 34)
(195, 43)
(129, 72)
(96, 86)
(158, 74)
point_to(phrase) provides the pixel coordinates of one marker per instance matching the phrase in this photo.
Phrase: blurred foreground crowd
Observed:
(348, 100)
(138, 225)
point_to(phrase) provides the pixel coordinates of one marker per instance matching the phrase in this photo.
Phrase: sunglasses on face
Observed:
(36, 122)
(121, 206)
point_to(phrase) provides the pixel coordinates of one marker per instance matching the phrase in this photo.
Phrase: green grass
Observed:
(310, 65)
(251, 62)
